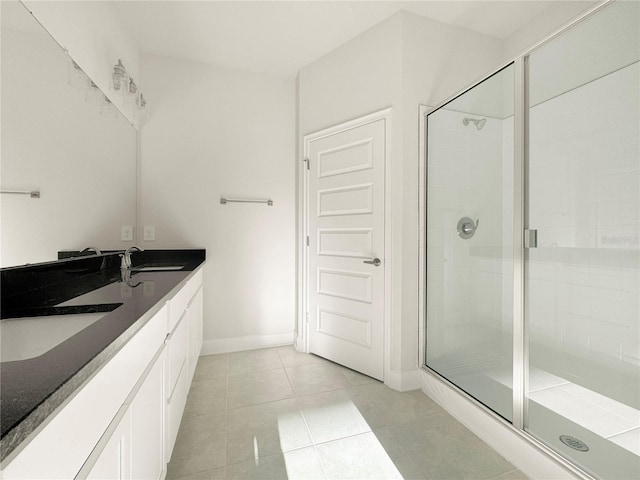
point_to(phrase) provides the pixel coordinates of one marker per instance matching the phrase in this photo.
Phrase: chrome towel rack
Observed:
(224, 201)
(31, 193)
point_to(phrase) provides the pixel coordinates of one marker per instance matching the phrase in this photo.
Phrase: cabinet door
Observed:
(178, 352)
(114, 460)
(195, 330)
(147, 424)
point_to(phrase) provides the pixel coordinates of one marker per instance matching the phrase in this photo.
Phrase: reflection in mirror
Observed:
(82, 162)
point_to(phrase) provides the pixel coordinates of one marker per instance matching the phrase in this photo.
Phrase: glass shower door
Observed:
(582, 278)
(469, 248)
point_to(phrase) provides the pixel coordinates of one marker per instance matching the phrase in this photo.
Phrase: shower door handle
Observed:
(375, 262)
(530, 238)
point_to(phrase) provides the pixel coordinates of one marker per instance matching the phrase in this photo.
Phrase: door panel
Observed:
(346, 228)
(582, 279)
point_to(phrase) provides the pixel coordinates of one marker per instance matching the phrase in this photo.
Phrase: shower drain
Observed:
(574, 443)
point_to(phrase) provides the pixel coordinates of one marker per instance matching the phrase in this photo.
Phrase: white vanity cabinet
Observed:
(116, 425)
(132, 446)
(113, 460)
(183, 346)
(147, 425)
(195, 312)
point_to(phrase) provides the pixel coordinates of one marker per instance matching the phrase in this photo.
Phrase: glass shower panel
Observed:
(582, 281)
(469, 241)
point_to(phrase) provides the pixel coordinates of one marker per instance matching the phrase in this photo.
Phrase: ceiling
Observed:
(280, 37)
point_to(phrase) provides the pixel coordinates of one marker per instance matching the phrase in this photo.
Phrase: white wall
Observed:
(216, 132)
(555, 16)
(95, 38)
(402, 62)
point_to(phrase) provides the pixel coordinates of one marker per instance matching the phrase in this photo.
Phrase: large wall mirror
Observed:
(62, 140)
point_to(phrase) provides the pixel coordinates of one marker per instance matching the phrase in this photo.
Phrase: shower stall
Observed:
(533, 243)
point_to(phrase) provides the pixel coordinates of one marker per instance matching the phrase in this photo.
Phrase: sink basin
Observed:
(168, 268)
(29, 337)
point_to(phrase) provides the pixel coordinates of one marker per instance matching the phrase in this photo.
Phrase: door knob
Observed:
(375, 262)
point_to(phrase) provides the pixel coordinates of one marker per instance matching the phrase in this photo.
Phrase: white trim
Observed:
(302, 340)
(249, 342)
(515, 446)
(404, 381)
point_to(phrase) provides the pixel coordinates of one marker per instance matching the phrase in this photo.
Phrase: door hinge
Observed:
(308, 162)
(307, 317)
(307, 240)
(530, 238)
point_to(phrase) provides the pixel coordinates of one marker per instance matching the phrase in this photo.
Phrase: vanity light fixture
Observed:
(120, 78)
(141, 113)
(126, 86)
(132, 93)
(141, 102)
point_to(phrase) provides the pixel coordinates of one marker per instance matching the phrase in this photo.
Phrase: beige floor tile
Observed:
(265, 430)
(258, 387)
(382, 406)
(216, 474)
(254, 361)
(442, 449)
(304, 417)
(331, 415)
(358, 457)
(211, 366)
(206, 397)
(356, 378)
(263, 468)
(304, 464)
(292, 358)
(316, 378)
(200, 446)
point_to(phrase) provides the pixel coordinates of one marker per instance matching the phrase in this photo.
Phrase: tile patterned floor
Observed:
(279, 414)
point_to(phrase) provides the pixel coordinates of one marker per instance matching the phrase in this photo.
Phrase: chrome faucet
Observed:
(89, 249)
(125, 264)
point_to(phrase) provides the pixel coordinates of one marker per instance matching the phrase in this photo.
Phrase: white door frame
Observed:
(302, 333)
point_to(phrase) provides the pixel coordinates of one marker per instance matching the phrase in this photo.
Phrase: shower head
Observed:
(479, 123)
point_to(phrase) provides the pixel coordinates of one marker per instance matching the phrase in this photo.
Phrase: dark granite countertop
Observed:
(33, 388)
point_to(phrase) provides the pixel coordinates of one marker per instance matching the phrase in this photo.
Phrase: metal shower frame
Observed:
(520, 223)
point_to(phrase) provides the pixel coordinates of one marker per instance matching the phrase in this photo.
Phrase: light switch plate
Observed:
(126, 233)
(149, 233)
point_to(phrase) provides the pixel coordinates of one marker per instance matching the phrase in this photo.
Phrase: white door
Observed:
(346, 247)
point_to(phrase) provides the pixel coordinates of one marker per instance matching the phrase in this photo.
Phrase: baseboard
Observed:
(403, 381)
(249, 342)
(511, 445)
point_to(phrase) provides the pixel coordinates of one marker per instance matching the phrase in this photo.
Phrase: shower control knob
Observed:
(467, 227)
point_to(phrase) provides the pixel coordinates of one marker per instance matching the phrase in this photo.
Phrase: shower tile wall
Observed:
(585, 185)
